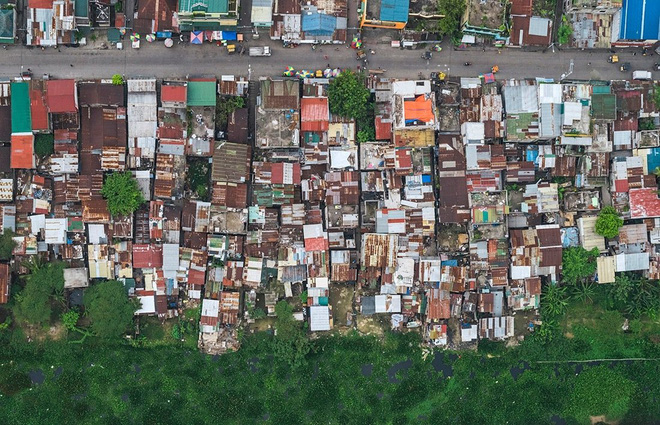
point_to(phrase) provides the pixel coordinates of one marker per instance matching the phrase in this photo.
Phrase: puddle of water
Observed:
(516, 372)
(266, 417)
(401, 366)
(340, 406)
(137, 368)
(367, 369)
(579, 368)
(380, 396)
(57, 372)
(440, 365)
(124, 398)
(215, 357)
(253, 364)
(79, 397)
(37, 376)
(558, 420)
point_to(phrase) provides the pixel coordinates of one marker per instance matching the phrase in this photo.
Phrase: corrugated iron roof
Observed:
(61, 96)
(315, 114)
(22, 151)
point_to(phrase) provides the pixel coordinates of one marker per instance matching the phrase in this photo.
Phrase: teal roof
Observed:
(208, 6)
(394, 10)
(6, 25)
(201, 93)
(21, 120)
(81, 8)
(204, 26)
(601, 89)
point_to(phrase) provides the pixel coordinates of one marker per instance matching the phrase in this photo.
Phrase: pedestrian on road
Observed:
(71, 65)
(325, 57)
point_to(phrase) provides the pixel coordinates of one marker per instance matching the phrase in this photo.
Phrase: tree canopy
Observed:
(117, 79)
(578, 264)
(608, 222)
(348, 96)
(601, 391)
(122, 193)
(7, 244)
(565, 31)
(109, 309)
(33, 303)
(291, 343)
(634, 295)
(453, 11)
(44, 144)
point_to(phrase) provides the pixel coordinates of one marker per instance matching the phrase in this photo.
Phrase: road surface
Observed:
(154, 60)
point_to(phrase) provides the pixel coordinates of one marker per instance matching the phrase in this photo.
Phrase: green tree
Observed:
(608, 222)
(453, 11)
(578, 264)
(646, 124)
(7, 244)
(117, 79)
(291, 343)
(600, 391)
(634, 295)
(122, 192)
(44, 144)
(656, 96)
(109, 309)
(554, 300)
(348, 95)
(33, 303)
(565, 31)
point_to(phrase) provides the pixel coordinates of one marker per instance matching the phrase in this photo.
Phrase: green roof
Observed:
(208, 6)
(21, 120)
(201, 93)
(206, 25)
(601, 89)
(603, 106)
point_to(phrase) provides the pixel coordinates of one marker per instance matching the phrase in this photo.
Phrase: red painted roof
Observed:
(277, 173)
(147, 256)
(38, 110)
(61, 96)
(315, 115)
(621, 185)
(22, 151)
(521, 7)
(383, 129)
(196, 277)
(316, 244)
(40, 4)
(644, 203)
(173, 93)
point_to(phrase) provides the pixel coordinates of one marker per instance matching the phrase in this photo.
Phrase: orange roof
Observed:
(420, 109)
(383, 128)
(38, 110)
(315, 115)
(171, 93)
(40, 4)
(61, 96)
(22, 151)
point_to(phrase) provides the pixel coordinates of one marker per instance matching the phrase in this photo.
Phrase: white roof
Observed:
(210, 308)
(97, 234)
(38, 222)
(473, 130)
(340, 158)
(312, 231)
(148, 305)
(538, 26)
(411, 88)
(468, 333)
(76, 278)
(170, 257)
(550, 93)
(388, 303)
(572, 112)
(319, 318)
(55, 231)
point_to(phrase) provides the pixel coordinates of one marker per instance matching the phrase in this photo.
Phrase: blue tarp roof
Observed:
(319, 24)
(640, 20)
(653, 159)
(394, 10)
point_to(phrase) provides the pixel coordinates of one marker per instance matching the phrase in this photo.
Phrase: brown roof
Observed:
(231, 162)
(102, 127)
(95, 93)
(438, 304)
(154, 16)
(96, 211)
(237, 127)
(5, 124)
(233, 195)
(280, 94)
(5, 278)
(564, 166)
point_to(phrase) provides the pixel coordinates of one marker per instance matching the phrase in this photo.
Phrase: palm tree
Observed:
(554, 300)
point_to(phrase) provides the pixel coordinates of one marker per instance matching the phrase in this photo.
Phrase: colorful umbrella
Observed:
(135, 36)
(122, 31)
(489, 78)
(305, 74)
(336, 72)
(169, 42)
(289, 71)
(197, 37)
(327, 73)
(356, 43)
(150, 38)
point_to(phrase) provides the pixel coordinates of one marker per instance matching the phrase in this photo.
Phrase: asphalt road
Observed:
(154, 60)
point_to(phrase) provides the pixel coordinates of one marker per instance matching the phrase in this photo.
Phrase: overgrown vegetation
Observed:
(453, 11)
(117, 79)
(44, 284)
(44, 144)
(608, 222)
(646, 124)
(122, 193)
(578, 264)
(224, 107)
(109, 309)
(7, 244)
(198, 177)
(565, 31)
(349, 97)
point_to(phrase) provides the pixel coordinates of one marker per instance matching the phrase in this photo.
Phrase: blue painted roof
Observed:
(319, 24)
(394, 10)
(640, 20)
